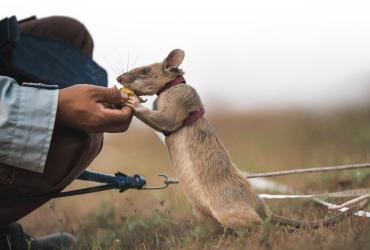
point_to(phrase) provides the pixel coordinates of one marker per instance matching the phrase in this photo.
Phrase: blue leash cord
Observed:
(119, 181)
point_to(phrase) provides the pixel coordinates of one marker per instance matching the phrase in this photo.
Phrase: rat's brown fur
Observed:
(214, 186)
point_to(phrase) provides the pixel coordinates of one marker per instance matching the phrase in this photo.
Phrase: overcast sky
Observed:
(243, 54)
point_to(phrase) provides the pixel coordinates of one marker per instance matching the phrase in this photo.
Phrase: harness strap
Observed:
(178, 80)
(193, 116)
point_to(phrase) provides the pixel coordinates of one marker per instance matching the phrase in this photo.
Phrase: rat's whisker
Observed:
(110, 65)
(136, 59)
(128, 60)
(121, 63)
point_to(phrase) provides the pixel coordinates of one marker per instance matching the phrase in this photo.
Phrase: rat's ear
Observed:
(174, 59)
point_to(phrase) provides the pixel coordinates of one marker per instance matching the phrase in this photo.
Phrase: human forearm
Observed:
(27, 116)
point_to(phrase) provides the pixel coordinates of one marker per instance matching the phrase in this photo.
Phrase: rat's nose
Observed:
(119, 79)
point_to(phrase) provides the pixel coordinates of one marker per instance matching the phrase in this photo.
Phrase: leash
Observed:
(123, 182)
(119, 181)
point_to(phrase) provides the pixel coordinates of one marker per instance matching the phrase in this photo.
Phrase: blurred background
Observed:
(285, 83)
(239, 54)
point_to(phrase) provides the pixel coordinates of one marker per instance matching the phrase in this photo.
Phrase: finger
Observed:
(120, 127)
(110, 95)
(117, 117)
(127, 110)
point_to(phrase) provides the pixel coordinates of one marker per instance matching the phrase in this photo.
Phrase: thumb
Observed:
(110, 95)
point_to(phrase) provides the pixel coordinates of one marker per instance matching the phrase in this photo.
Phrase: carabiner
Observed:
(167, 181)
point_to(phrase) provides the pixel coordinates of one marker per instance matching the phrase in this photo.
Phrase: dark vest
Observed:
(28, 58)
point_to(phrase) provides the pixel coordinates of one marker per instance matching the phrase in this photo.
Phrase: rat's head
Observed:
(149, 79)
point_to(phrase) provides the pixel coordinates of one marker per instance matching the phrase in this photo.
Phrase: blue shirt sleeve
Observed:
(27, 116)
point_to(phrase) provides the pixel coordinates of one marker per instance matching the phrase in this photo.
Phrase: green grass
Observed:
(258, 142)
(162, 231)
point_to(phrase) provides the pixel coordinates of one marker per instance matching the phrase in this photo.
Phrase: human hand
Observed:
(86, 107)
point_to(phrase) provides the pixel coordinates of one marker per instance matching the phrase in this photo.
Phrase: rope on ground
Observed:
(262, 183)
(283, 188)
(356, 201)
(343, 209)
(310, 170)
(340, 194)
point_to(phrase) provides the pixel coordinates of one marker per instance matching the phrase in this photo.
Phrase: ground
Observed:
(258, 141)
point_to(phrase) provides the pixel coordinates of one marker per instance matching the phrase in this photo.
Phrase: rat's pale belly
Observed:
(183, 162)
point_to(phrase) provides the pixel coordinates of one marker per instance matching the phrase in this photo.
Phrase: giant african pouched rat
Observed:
(214, 186)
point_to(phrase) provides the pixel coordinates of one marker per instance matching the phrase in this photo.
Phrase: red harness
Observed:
(193, 116)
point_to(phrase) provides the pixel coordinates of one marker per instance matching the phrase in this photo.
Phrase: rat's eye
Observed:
(145, 71)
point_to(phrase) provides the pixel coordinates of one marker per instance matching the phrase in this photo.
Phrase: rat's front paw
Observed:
(134, 103)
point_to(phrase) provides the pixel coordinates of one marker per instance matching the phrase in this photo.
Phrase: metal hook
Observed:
(167, 181)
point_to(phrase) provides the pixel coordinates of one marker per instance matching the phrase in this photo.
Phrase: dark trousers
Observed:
(70, 151)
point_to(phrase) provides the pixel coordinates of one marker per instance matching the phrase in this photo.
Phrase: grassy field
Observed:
(258, 142)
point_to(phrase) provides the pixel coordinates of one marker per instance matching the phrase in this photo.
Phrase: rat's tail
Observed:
(281, 220)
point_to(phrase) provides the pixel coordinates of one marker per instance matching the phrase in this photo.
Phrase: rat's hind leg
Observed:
(201, 214)
(237, 216)
(205, 219)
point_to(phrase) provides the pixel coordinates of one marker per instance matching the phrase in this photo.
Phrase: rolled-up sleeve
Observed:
(27, 116)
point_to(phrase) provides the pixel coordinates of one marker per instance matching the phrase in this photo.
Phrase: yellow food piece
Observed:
(127, 91)
(130, 92)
